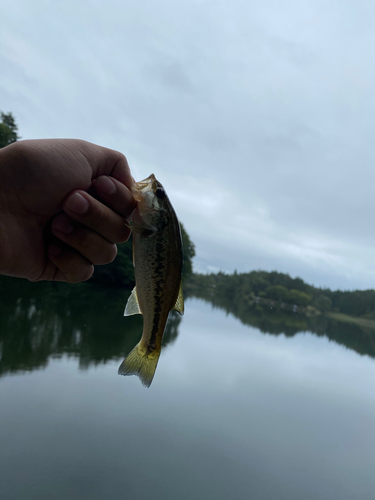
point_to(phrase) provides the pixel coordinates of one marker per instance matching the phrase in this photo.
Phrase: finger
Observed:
(106, 161)
(115, 195)
(120, 169)
(90, 212)
(71, 266)
(87, 242)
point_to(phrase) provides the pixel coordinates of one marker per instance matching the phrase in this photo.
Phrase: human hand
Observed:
(62, 208)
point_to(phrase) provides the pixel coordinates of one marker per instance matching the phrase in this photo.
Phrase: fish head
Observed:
(153, 204)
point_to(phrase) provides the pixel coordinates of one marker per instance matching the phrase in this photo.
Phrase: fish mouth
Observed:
(145, 186)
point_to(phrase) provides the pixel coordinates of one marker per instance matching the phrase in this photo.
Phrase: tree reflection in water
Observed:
(43, 320)
(275, 321)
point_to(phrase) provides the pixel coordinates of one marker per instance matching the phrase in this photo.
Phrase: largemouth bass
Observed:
(157, 259)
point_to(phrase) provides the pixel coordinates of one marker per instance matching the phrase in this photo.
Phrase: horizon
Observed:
(278, 272)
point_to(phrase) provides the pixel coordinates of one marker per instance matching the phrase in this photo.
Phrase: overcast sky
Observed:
(258, 117)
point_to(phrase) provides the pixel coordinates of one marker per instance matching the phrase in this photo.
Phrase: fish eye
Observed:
(160, 193)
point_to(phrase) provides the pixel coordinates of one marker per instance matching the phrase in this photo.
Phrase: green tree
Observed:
(322, 303)
(277, 292)
(299, 298)
(8, 129)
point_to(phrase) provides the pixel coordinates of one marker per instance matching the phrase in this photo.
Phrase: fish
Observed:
(157, 260)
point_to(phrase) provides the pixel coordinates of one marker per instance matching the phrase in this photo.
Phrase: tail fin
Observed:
(143, 365)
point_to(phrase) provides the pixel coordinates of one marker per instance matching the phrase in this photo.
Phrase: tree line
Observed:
(281, 291)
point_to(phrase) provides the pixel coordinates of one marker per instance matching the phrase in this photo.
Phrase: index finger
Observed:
(105, 161)
(115, 195)
(116, 165)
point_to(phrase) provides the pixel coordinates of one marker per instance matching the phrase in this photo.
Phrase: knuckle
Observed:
(98, 214)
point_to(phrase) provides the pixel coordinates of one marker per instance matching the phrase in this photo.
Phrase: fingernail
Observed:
(62, 224)
(77, 204)
(105, 186)
(54, 250)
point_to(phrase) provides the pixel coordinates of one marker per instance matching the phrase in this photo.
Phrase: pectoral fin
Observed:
(179, 305)
(137, 228)
(132, 305)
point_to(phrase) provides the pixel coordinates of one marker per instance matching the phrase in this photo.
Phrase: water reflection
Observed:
(275, 322)
(234, 413)
(43, 320)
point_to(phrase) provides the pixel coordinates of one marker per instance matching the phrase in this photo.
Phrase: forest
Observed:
(280, 291)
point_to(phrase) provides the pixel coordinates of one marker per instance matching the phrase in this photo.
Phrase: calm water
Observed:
(233, 413)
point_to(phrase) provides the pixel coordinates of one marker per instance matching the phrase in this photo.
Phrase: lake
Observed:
(232, 413)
